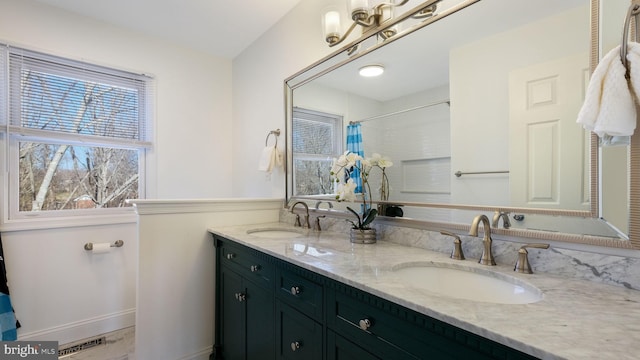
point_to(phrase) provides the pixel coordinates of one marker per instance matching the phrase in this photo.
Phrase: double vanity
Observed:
(287, 292)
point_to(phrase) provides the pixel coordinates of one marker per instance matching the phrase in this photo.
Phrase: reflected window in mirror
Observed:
(316, 141)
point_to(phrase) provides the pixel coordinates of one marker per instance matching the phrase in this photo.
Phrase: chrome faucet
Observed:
(487, 255)
(506, 223)
(320, 202)
(306, 216)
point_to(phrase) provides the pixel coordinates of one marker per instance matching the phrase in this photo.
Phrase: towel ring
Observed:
(275, 132)
(634, 10)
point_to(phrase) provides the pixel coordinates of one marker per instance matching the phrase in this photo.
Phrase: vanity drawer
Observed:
(371, 328)
(301, 293)
(391, 331)
(247, 264)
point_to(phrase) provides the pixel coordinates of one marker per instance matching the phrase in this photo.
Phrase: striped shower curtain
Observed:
(8, 322)
(354, 145)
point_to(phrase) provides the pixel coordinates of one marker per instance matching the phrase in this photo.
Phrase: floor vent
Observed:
(82, 346)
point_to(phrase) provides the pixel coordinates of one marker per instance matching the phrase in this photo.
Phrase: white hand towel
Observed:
(609, 107)
(279, 161)
(633, 60)
(267, 159)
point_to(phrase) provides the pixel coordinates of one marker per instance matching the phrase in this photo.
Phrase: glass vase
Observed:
(363, 236)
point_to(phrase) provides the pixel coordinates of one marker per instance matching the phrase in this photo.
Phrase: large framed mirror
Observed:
(477, 110)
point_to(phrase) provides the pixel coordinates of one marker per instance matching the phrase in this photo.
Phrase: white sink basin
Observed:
(276, 233)
(468, 283)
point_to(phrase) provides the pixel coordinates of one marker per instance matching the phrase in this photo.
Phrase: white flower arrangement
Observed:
(346, 190)
(383, 163)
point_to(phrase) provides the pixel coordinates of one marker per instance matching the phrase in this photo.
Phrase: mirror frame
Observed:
(338, 58)
(634, 153)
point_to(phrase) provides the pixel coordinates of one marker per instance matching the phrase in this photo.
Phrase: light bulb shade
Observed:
(331, 25)
(358, 8)
(371, 70)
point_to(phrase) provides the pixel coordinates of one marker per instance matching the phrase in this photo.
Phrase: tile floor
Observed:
(119, 346)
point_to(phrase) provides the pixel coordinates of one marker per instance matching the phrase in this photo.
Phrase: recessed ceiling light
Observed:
(371, 70)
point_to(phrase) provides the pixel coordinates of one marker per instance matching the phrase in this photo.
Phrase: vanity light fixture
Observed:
(368, 17)
(361, 14)
(371, 70)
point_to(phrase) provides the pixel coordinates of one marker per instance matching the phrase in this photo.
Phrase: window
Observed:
(75, 133)
(317, 139)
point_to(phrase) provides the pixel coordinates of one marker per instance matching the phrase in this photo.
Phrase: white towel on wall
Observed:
(279, 159)
(633, 59)
(270, 158)
(609, 106)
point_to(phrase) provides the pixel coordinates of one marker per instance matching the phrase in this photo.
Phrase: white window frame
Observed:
(11, 135)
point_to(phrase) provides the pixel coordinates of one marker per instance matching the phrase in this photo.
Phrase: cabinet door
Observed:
(232, 312)
(298, 336)
(339, 348)
(260, 324)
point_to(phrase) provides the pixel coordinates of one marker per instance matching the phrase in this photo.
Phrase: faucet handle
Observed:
(317, 223)
(457, 245)
(522, 264)
(298, 223)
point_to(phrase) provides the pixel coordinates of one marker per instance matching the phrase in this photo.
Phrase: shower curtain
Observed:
(8, 322)
(354, 145)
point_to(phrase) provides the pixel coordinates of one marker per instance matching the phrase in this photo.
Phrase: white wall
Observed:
(175, 307)
(480, 119)
(324, 99)
(61, 292)
(258, 87)
(58, 290)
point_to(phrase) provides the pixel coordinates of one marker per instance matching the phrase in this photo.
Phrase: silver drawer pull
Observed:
(230, 256)
(295, 290)
(241, 297)
(295, 345)
(255, 268)
(365, 324)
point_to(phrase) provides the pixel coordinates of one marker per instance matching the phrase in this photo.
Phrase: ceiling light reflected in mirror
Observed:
(371, 70)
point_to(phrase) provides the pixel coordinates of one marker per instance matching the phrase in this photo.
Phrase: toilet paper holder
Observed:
(118, 243)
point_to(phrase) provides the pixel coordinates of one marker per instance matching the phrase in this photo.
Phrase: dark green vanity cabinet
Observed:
(268, 308)
(245, 305)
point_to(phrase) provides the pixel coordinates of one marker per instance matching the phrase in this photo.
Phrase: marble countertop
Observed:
(576, 319)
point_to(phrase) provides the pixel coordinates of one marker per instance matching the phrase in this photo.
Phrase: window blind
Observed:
(67, 101)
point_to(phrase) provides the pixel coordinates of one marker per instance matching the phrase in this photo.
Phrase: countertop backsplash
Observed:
(604, 268)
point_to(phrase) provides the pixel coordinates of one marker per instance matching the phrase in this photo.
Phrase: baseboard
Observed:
(200, 355)
(83, 329)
